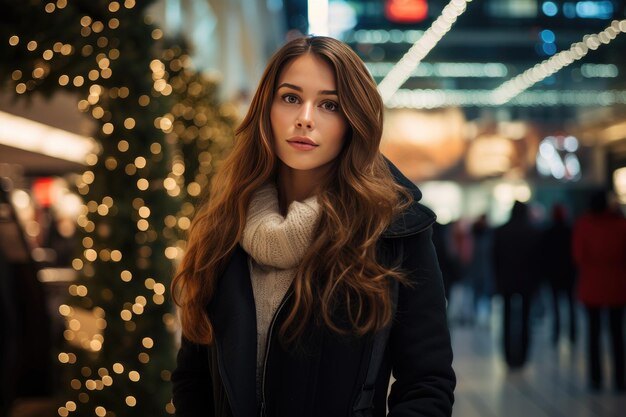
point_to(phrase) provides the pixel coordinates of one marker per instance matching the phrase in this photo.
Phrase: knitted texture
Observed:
(276, 245)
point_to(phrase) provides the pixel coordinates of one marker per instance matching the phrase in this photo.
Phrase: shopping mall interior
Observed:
(115, 114)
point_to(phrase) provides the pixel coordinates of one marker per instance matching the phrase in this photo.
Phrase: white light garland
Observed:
(539, 72)
(431, 99)
(446, 69)
(403, 69)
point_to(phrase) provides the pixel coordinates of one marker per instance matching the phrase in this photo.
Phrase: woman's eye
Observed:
(330, 106)
(290, 98)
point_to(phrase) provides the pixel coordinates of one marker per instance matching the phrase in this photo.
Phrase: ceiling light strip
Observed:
(19, 132)
(546, 68)
(318, 17)
(407, 64)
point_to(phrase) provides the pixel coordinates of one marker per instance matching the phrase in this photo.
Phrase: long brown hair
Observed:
(358, 202)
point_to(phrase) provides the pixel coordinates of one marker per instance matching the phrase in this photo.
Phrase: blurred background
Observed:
(114, 114)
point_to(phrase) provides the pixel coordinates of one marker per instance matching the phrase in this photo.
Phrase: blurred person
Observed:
(480, 269)
(448, 262)
(558, 268)
(461, 307)
(599, 245)
(514, 261)
(287, 286)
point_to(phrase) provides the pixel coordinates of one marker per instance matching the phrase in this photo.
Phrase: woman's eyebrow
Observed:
(297, 88)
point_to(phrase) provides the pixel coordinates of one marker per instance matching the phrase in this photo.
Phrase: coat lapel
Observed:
(233, 317)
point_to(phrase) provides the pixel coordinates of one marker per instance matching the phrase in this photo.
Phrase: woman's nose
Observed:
(305, 118)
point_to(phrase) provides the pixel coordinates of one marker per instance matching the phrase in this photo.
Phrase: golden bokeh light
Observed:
(126, 276)
(147, 342)
(149, 283)
(122, 146)
(142, 184)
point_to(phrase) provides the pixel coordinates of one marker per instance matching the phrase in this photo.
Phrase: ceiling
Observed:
(514, 34)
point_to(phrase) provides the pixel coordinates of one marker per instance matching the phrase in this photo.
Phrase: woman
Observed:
(290, 266)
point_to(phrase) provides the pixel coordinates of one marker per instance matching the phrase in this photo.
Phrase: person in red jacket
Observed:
(599, 245)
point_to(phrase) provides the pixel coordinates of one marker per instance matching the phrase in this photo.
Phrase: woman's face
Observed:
(307, 124)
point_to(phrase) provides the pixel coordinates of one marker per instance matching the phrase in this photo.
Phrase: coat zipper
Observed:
(220, 366)
(267, 349)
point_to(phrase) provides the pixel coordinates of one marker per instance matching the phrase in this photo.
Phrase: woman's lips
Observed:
(302, 143)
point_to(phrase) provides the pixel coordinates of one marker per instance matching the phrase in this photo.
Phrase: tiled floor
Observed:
(552, 384)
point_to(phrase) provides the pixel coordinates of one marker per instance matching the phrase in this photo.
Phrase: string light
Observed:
(445, 69)
(548, 67)
(403, 69)
(430, 99)
(381, 36)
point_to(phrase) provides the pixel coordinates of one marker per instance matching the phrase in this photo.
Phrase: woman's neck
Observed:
(296, 185)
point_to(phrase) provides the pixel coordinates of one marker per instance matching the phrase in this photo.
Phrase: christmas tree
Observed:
(160, 132)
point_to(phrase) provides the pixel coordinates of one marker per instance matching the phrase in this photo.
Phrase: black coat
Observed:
(323, 377)
(516, 256)
(556, 258)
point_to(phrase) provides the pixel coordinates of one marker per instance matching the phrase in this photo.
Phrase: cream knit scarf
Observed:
(276, 245)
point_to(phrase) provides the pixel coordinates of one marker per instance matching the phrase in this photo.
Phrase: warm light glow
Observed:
(144, 212)
(619, 183)
(126, 276)
(159, 288)
(142, 184)
(122, 146)
(169, 183)
(149, 283)
(406, 11)
(64, 310)
(22, 133)
(147, 342)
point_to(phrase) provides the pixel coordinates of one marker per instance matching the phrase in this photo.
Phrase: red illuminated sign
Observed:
(406, 11)
(42, 191)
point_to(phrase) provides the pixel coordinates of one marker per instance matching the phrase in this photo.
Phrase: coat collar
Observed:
(416, 217)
